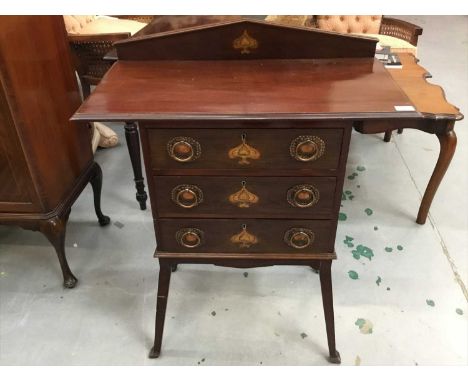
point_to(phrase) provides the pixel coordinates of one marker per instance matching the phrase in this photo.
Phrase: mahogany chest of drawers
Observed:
(245, 129)
(248, 192)
(245, 194)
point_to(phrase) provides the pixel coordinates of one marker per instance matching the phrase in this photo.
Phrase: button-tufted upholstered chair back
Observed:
(75, 23)
(350, 23)
(300, 20)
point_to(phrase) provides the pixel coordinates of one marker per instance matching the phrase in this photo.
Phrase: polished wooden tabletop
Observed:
(429, 99)
(353, 88)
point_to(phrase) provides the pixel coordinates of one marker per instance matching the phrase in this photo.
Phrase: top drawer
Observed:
(234, 149)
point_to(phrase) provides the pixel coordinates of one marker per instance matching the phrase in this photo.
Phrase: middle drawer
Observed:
(260, 197)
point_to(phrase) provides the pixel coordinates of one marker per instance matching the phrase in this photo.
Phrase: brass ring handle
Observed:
(299, 238)
(190, 237)
(187, 195)
(307, 148)
(184, 149)
(303, 196)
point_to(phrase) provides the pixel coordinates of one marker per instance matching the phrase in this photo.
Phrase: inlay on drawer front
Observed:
(299, 149)
(246, 235)
(268, 197)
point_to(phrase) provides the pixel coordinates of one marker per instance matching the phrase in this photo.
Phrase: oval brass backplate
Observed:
(189, 237)
(187, 195)
(303, 196)
(183, 149)
(307, 148)
(299, 238)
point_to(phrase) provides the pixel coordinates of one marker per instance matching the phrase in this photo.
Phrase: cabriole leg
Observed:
(327, 299)
(54, 229)
(161, 303)
(448, 143)
(96, 183)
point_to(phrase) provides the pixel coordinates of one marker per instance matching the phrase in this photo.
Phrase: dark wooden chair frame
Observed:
(400, 29)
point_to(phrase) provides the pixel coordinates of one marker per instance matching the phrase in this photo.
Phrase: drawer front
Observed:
(275, 149)
(260, 197)
(246, 236)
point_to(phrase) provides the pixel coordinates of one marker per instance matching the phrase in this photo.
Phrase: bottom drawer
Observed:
(246, 236)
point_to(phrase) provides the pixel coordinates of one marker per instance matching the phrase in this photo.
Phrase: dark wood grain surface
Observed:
(272, 194)
(269, 233)
(42, 92)
(149, 90)
(45, 160)
(428, 98)
(246, 40)
(168, 23)
(273, 146)
(16, 188)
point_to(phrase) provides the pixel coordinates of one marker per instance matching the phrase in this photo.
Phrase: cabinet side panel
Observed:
(43, 94)
(16, 189)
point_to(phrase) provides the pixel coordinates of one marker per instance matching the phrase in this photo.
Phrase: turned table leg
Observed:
(54, 229)
(165, 269)
(96, 183)
(133, 143)
(327, 299)
(448, 143)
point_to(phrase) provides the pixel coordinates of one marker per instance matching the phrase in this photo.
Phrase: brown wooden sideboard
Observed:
(45, 160)
(245, 130)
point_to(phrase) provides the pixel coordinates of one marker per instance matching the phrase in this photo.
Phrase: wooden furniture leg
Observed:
(54, 229)
(327, 299)
(388, 136)
(133, 143)
(165, 269)
(448, 143)
(96, 183)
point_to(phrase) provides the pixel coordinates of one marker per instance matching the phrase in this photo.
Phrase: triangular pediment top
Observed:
(242, 21)
(245, 39)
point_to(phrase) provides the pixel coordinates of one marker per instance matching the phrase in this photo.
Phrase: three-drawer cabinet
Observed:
(245, 128)
(245, 194)
(251, 191)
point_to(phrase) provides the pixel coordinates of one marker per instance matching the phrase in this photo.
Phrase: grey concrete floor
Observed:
(405, 306)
